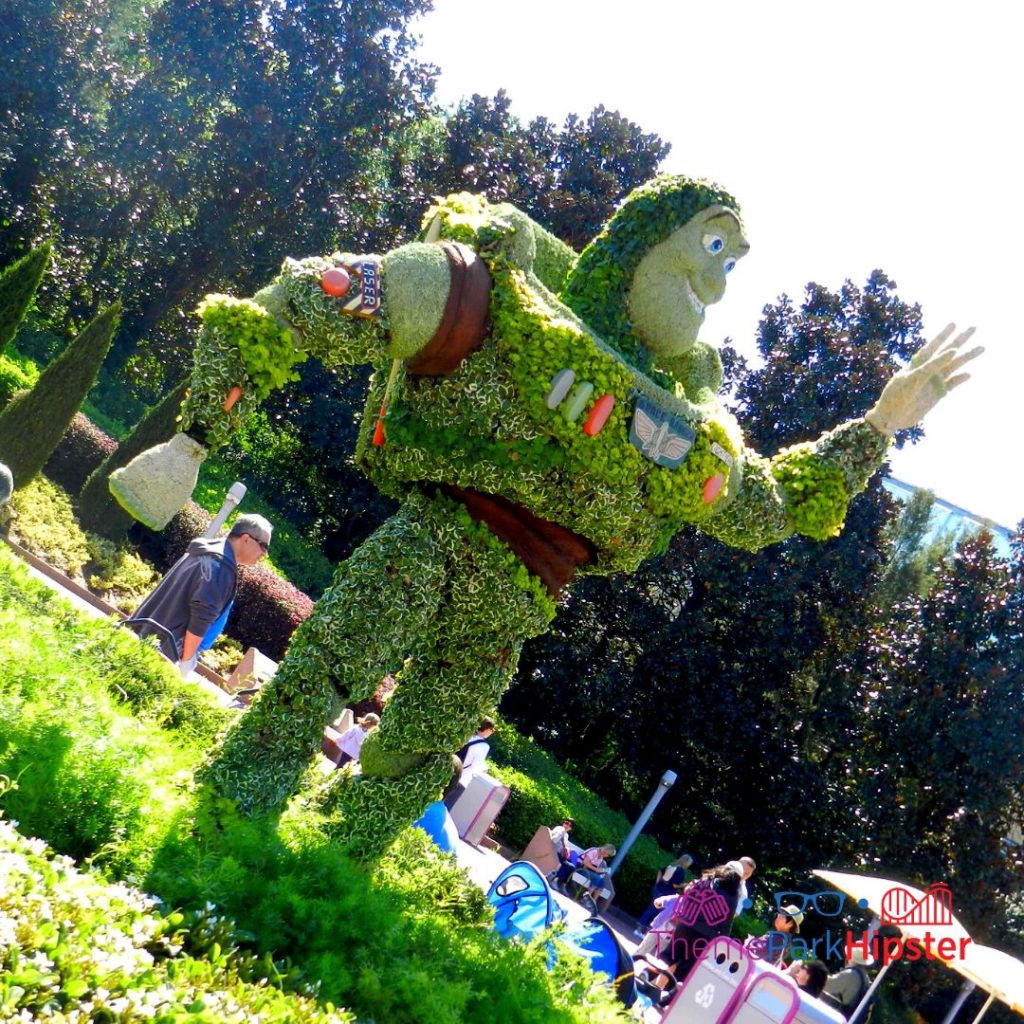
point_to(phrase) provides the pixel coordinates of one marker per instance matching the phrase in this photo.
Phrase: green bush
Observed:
(32, 424)
(117, 574)
(16, 374)
(35, 341)
(42, 521)
(18, 284)
(74, 947)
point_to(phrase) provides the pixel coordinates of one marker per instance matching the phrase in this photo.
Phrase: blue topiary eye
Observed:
(713, 244)
(729, 264)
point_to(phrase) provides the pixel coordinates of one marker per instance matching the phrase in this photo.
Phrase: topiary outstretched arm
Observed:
(343, 309)
(424, 303)
(803, 489)
(808, 487)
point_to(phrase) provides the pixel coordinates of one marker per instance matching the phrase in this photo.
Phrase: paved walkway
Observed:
(483, 866)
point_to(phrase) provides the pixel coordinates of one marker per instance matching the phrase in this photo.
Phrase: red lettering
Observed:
(863, 944)
(946, 947)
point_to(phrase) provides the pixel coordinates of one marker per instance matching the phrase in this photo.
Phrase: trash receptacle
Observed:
(713, 987)
(475, 810)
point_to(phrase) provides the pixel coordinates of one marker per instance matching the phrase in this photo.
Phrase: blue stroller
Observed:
(523, 906)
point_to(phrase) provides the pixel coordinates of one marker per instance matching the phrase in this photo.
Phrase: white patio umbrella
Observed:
(925, 916)
(998, 973)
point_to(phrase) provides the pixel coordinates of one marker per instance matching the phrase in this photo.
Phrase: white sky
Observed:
(855, 136)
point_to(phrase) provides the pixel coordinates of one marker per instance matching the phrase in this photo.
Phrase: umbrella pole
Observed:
(965, 990)
(859, 1012)
(984, 1009)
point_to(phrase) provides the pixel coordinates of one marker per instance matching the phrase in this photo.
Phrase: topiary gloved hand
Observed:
(157, 483)
(917, 389)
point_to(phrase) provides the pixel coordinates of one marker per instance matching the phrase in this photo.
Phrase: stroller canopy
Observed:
(523, 904)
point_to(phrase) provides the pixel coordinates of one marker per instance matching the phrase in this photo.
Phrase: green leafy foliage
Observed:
(32, 424)
(815, 492)
(267, 350)
(43, 520)
(76, 945)
(15, 375)
(406, 941)
(119, 575)
(18, 285)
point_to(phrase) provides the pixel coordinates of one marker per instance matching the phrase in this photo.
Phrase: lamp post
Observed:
(236, 492)
(664, 785)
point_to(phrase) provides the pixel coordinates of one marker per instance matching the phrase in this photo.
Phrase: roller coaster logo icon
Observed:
(900, 906)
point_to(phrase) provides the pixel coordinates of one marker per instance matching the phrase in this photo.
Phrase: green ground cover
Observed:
(100, 739)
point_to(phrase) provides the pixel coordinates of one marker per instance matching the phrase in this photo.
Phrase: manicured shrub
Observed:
(74, 947)
(42, 521)
(268, 609)
(97, 509)
(117, 574)
(32, 424)
(15, 376)
(18, 284)
(82, 448)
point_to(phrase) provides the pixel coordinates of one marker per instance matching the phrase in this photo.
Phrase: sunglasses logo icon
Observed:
(828, 904)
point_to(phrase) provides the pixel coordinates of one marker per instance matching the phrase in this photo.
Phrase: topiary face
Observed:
(679, 277)
(598, 287)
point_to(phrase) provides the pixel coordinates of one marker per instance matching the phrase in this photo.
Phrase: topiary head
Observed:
(643, 283)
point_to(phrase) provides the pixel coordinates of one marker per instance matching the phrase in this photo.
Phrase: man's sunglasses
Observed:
(262, 543)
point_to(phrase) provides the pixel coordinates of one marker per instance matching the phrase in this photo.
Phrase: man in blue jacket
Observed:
(199, 588)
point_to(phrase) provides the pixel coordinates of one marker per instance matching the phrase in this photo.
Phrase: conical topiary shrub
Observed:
(32, 425)
(18, 284)
(97, 509)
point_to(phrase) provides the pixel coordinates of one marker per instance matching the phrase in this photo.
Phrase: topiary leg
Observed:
(376, 613)
(489, 606)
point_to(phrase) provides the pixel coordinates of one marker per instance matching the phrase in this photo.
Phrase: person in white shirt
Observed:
(560, 841)
(744, 867)
(351, 740)
(473, 756)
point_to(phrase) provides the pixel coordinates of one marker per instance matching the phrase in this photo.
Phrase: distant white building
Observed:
(948, 518)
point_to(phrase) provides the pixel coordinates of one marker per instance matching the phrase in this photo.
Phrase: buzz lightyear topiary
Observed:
(539, 415)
